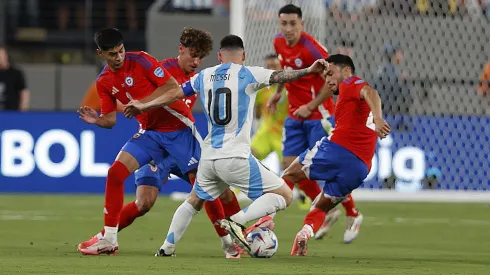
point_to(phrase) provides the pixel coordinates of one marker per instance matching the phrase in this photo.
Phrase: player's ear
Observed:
(181, 49)
(243, 56)
(302, 23)
(99, 52)
(219, 57)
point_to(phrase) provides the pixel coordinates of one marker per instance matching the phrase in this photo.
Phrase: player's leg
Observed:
(138, 151)
(186, 154)
(342, 171)
(207, 187)
(295, 142)
(316, 130)
(148, 180)
(264, 187)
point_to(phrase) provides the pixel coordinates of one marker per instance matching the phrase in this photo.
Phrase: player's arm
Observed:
(163, 96)
(168, 94)
(291, 75)
(108, 105)
(372, 98)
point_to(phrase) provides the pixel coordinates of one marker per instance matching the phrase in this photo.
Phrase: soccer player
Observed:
(343, 161)
(137, 75)
(228, 94)
(310, 111)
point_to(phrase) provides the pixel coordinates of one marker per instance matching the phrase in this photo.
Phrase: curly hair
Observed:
(199, 41)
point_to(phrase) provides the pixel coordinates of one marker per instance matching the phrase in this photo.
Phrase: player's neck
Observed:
(294, 42)
(181, 66)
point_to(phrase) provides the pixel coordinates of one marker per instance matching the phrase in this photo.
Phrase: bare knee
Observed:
(294, 172)
(227, 196)
(195, 201)
(144, 205)
(145, 198)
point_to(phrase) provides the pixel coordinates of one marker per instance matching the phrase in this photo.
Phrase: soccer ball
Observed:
(263, 242)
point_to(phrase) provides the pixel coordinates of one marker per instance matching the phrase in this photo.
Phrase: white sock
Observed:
(110, 234)
(99, 236)
(180, 221)
(226, 241)
(266, 204)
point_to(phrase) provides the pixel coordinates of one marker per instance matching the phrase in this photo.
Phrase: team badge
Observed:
(298, 62)
(153, 167)
(129, 81)
(159, 72)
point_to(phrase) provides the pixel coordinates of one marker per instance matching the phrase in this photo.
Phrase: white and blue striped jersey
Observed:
(227, 93)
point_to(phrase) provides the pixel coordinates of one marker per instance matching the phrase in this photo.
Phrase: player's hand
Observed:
(319, 66)
(302, 112)
(133, 108)
(272, 103)
(382, 128)
(88, 114)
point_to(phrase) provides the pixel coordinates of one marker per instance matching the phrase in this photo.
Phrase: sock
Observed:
(129, 213)
(110, 234)
(315, 219)
(215, 212)
(232, 207)
(114, 193)
(226, 241)
(265, 205)
(349, 206)
(180, 221)
(289, 183)
(310, 187)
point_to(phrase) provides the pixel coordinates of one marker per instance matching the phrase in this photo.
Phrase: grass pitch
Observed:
(39, 234)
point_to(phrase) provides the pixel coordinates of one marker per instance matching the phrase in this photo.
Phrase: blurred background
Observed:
(429, 60)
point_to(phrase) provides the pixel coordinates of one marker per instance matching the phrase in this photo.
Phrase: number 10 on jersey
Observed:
(219, 106)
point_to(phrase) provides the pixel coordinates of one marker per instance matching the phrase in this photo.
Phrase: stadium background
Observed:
(424, 57)
(436, 94)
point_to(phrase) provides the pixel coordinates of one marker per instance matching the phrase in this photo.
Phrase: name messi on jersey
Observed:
(219, 77)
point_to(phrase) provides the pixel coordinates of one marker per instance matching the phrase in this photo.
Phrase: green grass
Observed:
(39, 234)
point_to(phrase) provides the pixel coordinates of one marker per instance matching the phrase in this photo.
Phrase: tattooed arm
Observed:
(289, 75)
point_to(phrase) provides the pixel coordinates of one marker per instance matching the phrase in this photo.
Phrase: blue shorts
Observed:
(341, 170)
(299, 135)
(175, 152)
(157, 175)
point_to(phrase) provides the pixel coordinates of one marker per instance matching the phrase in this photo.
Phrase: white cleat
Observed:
(231, 252)
(236, 231)
(330, 219)
(353, 226)
(102, 246)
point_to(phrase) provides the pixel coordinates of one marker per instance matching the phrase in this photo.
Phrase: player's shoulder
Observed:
(170, 62)
(353, 81)
(142, 58)
(103, 74)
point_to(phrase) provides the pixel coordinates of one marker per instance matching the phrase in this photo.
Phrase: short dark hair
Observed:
(231, 42)
(291, 9)
(108, 38)
(342, 61)
(270, 56)
(198, 40)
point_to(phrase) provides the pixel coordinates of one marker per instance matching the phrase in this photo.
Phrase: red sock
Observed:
(310, 187)
(129, 213)
(114, 193)
(289, 183)
(215, 212)
(232, 207)
(315, 219)
(349, 206)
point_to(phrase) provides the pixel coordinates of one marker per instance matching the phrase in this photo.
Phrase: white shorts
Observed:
(249, 176)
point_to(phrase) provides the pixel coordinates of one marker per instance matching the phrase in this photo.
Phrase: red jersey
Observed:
(172, 66)
(301, 56)
(354, 126)
(139, 77)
